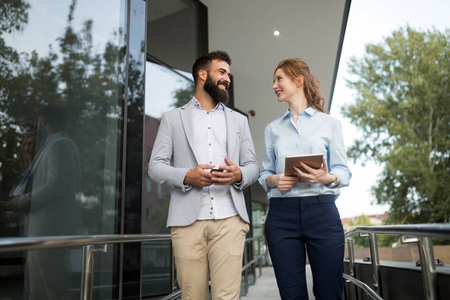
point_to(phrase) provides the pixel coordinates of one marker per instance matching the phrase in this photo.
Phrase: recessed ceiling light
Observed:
(276, 33)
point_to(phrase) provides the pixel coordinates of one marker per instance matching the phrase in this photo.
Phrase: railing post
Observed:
(351, 258)
(245, 270)
(87, 270)
(428, 268)
(375, 263)
(260, 245)
(172, 273)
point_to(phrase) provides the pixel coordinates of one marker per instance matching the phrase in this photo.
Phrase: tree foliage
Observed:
(402, 108)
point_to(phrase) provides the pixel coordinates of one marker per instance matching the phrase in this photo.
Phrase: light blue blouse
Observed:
(315, 132)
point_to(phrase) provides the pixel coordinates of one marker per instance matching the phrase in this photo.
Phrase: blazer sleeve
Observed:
(159, 168)
(247, 159)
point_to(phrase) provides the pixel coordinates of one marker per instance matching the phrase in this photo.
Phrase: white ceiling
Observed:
(309, 29)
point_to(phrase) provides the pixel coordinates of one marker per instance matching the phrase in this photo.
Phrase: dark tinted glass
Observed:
(61, 87)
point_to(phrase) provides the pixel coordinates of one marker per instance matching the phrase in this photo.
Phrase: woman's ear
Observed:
(299, 80)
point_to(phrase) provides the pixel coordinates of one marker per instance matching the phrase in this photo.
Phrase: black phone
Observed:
(216, 170)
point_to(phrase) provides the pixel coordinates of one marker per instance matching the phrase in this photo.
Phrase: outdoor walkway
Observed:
(266, 286)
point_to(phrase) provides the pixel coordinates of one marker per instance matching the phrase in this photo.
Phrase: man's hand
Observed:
(199, 177)
(11, 205)
(230, 174)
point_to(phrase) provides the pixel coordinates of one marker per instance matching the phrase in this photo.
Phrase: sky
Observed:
(370, 22)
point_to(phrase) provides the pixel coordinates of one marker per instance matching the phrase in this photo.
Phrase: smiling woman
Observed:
(303, 214)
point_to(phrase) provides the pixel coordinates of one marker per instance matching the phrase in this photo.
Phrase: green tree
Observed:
(402, 108)
(184, 95)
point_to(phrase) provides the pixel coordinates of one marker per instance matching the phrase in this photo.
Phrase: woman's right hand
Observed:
(281, 182)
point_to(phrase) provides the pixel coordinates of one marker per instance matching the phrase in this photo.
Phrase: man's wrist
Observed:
(185, 181)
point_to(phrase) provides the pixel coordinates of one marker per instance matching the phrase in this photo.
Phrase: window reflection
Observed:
(165, 89)
(65, 54)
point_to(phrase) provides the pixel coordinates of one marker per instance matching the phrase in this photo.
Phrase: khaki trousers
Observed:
(210, 250)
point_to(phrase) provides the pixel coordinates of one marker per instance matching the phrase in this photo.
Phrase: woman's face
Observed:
(283, 86)
(28, 148)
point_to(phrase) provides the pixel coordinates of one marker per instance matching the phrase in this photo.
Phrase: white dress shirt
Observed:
(211, 146)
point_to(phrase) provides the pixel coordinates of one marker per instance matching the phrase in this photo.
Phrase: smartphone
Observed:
(216, 170)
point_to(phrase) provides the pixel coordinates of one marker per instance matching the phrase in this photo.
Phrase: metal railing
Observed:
(256, 258)
(88, 243)
(419, 233)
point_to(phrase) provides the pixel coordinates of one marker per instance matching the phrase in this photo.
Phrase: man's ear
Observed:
(202, 74)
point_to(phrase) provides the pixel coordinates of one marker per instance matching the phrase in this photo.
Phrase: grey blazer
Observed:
(173, 156)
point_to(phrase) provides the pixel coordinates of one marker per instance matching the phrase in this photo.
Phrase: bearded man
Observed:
(204, 151)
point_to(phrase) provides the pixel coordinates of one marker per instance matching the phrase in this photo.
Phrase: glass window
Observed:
(61, 79)
(173, 41)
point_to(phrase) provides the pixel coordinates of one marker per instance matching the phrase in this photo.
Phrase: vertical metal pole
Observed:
(86, 273)
(245, 270)
(172, 273)
(351, 258)
(375, 263)
(428, 268)
(260, 245)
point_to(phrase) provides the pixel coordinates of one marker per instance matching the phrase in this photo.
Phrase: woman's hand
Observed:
(281, 182)
(314, 175)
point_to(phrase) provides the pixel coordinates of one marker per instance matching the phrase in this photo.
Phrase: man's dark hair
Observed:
(55, 115)
(203, 62)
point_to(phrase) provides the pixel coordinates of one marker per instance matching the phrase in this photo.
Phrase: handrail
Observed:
(47, 242)
(423, 234)
(364, 286)
(434, 230)
(87, 242)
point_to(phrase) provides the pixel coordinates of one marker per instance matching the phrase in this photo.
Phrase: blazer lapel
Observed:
(187, 120)
(232, 131)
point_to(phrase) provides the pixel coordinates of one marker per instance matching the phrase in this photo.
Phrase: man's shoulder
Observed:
(173, 112)
(236, 114)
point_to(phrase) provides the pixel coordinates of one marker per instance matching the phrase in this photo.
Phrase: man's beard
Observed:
(214, 91)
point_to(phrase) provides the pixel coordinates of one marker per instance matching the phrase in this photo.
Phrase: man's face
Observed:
(218, 81)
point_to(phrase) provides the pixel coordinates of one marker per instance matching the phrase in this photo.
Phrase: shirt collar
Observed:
(309, 111)
(196, 103)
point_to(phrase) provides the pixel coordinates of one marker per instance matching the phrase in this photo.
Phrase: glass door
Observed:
(68, 74)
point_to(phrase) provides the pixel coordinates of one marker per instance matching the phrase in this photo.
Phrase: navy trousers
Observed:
(299, 225)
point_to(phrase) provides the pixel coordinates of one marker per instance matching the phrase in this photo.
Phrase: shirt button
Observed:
(209, 127)
(212, 198)
(210, 144)
(210, 162)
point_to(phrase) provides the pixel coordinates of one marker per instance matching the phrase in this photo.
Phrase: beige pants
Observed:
(210, 250)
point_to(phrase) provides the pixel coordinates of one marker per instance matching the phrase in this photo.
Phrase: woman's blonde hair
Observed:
(294, 67)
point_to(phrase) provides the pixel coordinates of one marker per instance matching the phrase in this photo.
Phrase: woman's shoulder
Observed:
(326, 117)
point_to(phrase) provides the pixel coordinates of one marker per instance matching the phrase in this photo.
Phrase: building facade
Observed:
(97, 75)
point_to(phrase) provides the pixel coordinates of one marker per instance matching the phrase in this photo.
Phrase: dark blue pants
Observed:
(299, 225)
